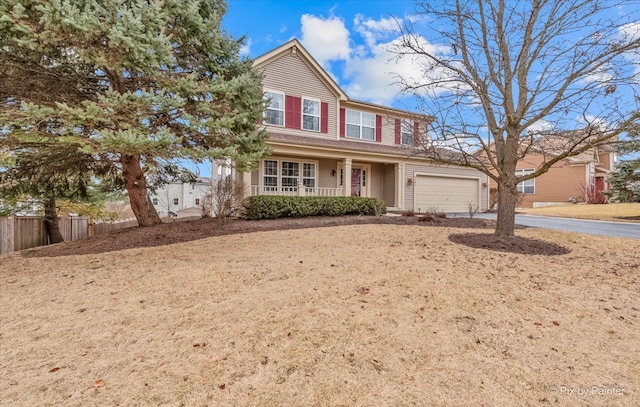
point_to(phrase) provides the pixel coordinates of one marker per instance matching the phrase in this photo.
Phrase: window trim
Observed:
(301, 177)
(360, 125)
(521, 187)
(264, 121)
(302, 113)
(411, 126)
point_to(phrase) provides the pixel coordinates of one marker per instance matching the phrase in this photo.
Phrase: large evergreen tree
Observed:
(164, 83)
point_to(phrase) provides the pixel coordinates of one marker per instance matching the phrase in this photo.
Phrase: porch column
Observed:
(245, 179)
(399, 190)
(346, 176)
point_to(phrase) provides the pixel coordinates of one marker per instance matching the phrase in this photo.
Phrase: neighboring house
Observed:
(179, 195)
(575, 179)
(327, 144)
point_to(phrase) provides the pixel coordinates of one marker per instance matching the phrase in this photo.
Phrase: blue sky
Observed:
(350, 38)
(347, 37)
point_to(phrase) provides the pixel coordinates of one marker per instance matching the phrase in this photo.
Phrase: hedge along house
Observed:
(327, 144)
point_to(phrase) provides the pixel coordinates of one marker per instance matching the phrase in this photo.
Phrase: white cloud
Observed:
(630, 31)
(592, 120)
(375, 30)
(326, 39)
(246, 48)
(373, 75)
(370, 70)
(540, 126)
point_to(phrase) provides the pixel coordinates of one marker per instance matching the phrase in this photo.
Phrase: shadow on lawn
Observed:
(515, 244)
(180, 232)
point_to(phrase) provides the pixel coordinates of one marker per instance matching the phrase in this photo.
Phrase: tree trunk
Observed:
(51, 221)
(136, 185)
(507, 198)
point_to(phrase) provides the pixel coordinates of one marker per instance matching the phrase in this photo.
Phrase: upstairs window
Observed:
(311, 114)
(527, 186)
(274, 112)
(406, 133)
(361, 125)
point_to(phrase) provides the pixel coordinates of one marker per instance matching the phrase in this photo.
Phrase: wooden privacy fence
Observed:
(105, 227)
(17, 233)
(25, 232)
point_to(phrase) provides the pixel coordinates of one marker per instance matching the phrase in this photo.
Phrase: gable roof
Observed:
(295, 47)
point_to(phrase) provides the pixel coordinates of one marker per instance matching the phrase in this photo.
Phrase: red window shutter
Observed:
(324, 117)
(292, 107)
(342, 122)
(398, 130)
(416, 134)
(378, 128)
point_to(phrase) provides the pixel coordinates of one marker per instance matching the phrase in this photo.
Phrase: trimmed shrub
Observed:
(271, 207)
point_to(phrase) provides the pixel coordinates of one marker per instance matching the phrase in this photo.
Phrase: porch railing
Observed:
(296, 191)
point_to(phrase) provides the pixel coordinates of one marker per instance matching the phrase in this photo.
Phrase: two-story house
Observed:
(578, 179)
(180, 195)
(327, 144)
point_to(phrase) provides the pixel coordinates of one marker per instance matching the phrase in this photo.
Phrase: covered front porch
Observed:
(296, 175)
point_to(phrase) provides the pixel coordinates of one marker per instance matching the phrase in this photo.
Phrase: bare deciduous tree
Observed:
(226, 197)
(504, 78)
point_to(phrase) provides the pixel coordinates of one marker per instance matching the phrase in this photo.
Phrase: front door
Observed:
(356, 182)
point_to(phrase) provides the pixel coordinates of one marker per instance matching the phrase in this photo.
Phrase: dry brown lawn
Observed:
(629, 212)
(364, 315)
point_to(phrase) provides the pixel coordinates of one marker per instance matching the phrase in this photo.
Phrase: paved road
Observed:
(594, 227)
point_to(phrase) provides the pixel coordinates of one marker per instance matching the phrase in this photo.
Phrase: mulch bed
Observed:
(186, 231)
(515, 244)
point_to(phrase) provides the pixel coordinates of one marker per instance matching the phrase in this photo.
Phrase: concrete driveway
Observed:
(594, 227)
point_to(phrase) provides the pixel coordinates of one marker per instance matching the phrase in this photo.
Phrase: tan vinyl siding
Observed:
(606, 160)
(388, 189)
(325, 178)
(561, 182)
(388, 130)
(558, 185)
(376, 178)
(412, 168)
(290, 75)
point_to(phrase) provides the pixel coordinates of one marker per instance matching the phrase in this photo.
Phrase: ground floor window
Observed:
(286, 175)
(527, 186)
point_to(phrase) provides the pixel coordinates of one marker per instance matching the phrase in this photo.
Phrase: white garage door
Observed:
(445, 194)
